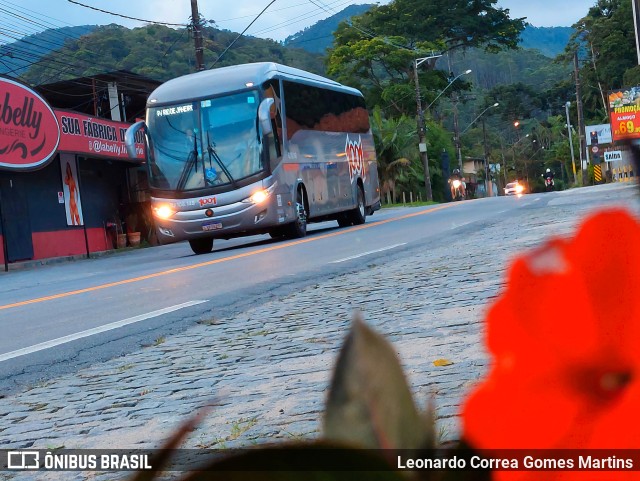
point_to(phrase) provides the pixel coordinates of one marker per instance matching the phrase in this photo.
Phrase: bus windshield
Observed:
(207, 143)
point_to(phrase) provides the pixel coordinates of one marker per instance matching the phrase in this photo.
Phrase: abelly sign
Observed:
(29, 131)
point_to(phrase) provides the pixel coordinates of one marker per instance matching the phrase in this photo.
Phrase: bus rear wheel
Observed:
(202, 245)
(358, 215)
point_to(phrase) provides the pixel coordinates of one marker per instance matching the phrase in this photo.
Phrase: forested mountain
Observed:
(160, 53)
(319, 37)
(18, 55)
(529, 67)
(550, 41)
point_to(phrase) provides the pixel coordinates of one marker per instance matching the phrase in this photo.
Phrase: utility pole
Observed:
(573, 159)
(456, 124)
(583, 140)
(487, 169)
(456, 132)
(422, 131)
(197, 35)
(636, 23)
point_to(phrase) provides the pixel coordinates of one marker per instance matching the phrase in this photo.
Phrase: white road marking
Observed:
(95, 330)
(368, 253)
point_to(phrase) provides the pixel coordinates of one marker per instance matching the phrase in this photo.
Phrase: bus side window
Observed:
(271, 90)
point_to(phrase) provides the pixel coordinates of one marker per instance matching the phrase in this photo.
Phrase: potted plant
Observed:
(133, 233)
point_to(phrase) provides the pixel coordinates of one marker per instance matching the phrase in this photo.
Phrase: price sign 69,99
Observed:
(624, 111)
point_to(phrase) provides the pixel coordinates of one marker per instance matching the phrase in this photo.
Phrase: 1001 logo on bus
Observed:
(355, 156)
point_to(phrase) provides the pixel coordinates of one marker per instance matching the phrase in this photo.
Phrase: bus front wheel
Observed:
(298, 228)
(202, 245)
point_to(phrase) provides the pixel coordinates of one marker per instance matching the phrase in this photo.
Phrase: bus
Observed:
(258, 148)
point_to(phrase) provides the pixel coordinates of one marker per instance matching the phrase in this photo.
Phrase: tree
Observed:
(605, 42)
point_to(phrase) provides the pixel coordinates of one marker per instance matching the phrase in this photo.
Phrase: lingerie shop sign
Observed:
(29, 131)
(95, 137)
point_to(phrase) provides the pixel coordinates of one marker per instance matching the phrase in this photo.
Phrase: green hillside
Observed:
(160, 53)
(17, 56)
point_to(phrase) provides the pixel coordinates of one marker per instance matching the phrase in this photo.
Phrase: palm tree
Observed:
(396, 143)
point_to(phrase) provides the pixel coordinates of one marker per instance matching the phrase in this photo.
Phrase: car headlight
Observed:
(519, 189)
(163, 211)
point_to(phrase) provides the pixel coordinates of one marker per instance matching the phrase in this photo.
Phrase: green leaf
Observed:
(370, 404)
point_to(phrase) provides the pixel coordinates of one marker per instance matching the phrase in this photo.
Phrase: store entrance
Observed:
(16, 225)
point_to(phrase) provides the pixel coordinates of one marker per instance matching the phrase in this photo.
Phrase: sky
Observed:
(281, 19)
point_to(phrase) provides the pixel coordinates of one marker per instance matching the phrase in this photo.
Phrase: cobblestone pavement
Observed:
(268, 368)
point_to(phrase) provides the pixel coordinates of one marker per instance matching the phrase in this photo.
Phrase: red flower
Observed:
(565, 341)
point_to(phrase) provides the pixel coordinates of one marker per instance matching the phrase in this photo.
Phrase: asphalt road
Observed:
(55, 319)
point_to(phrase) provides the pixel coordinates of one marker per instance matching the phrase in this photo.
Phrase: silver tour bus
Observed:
(255, 149)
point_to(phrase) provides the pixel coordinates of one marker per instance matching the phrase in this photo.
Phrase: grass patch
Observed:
(238, 428)
(209, 322)
(125, 367)
(241, 426)
(263, 332)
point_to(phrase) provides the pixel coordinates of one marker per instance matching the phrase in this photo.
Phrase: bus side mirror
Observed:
(130, 137)
(264, 115)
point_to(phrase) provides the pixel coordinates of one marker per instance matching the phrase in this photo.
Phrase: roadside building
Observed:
(67, 184)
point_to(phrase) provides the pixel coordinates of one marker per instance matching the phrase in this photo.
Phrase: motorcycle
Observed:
(548, 183)
(457, 190)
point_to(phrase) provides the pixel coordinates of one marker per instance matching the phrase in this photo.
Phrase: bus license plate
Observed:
(212, 226)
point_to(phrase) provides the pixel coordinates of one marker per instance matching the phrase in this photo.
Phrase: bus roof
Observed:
(217, 81)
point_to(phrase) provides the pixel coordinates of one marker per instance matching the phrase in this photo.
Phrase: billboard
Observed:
(598, 134)
(624, 109)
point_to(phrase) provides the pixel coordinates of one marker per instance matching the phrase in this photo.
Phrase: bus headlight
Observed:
(257, 197)
(163, 211)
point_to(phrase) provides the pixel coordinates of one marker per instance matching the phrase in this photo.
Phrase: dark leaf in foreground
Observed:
(370, 404)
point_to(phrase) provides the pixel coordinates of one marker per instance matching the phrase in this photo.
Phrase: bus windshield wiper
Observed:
(212, 153)
(189, 164)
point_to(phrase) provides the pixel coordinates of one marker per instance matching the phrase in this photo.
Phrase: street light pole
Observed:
(451, 82)
(573, 159)
(422, 134)
(488, 184)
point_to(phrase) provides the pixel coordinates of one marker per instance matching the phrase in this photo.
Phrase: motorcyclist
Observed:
(548, 179)
(457, 176)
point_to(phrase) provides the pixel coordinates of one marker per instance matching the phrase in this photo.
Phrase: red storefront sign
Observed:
(29, 132)
(95, 137)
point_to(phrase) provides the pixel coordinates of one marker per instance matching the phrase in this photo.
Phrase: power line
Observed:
(242, 33)
(126, 16)
(293, 21)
